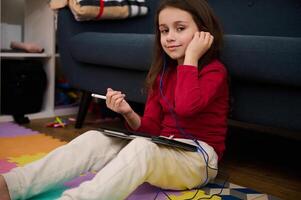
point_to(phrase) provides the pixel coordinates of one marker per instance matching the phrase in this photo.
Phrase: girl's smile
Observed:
(173, 47)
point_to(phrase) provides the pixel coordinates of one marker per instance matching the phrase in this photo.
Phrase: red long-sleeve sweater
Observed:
(198, 98)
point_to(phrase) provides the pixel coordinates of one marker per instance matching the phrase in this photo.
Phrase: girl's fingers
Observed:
(116, 98)
(115, 95)
(108, 95)
(118, 101)
(109, 91)
(112, 96)
(207, 36)
(211, 40)
(202, 35)
(207, 39)
(196, 36)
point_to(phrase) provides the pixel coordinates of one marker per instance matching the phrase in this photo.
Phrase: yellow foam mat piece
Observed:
(189, 194)
(25, 159)
(27, 145)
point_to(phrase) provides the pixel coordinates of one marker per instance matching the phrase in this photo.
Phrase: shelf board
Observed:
(44, 114)
(24, 55)
(58, 111)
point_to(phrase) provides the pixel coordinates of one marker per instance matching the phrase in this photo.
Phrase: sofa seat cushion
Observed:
(273, 60)
(120, 50)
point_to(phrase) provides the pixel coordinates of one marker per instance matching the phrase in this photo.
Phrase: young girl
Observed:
(187, 99)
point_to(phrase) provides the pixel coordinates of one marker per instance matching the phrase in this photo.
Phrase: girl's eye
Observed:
(179, 29)
(163, 31)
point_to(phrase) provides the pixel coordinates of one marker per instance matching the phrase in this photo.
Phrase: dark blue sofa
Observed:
(262, 51)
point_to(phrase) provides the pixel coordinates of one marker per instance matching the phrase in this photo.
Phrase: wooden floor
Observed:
(266, 163)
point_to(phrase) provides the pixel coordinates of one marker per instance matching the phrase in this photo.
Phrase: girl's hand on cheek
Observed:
(197, 47)
(116, 102)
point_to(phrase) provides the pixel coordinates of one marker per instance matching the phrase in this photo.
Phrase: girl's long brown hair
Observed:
(205, 19)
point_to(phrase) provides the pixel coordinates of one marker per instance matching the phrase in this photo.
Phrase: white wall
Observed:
(12, 11)
(12, 22)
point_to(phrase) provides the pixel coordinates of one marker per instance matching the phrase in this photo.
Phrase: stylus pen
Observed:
(99, 96)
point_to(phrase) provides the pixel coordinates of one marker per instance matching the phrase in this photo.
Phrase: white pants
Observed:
(121, 167)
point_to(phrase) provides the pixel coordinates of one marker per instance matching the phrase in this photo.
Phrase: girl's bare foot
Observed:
(4, 194)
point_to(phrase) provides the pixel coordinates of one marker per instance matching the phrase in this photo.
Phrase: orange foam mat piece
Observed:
(27, 145)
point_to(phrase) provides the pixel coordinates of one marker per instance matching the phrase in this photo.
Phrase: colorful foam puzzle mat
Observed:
(20, 146)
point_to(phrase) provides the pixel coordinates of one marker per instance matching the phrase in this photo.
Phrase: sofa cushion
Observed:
(274, 60)
(120, 50)
(268, 59)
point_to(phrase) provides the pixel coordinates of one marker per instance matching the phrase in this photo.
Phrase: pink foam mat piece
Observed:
(6, 166)
(9, 129)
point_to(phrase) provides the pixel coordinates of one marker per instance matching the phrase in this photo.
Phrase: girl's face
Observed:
(177, 29)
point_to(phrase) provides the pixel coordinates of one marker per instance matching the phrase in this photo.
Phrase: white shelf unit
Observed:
(39, 28)
(24, 55)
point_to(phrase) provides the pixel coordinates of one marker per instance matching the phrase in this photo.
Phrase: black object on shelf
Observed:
(23, 84)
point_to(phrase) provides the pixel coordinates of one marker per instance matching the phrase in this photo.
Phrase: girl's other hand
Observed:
(116, 102)
(197, 47)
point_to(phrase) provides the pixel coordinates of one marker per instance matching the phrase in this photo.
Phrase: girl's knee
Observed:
(88, 138)
(89, 135)
(142, 144)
